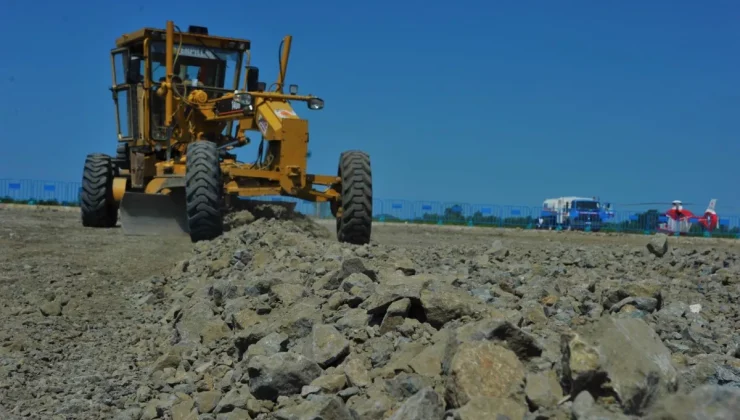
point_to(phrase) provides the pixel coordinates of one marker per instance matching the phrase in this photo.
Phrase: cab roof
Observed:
(191, 36)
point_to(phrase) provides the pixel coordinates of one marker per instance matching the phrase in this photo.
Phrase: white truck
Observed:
(582, 213)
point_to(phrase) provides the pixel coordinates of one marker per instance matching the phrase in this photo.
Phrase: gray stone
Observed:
(424, 405)
(658, 244)
(707, 402)
(327, 346)
(280, 374)
(322, 407)
(627, 352)
(395, 315)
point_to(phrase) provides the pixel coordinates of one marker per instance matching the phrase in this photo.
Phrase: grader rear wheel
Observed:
(203, 191)
(97, 205)
(354, 221)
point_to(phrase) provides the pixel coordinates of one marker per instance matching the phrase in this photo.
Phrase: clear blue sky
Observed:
(484, 102)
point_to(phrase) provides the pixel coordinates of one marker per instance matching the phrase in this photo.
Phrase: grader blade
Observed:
(153, 214)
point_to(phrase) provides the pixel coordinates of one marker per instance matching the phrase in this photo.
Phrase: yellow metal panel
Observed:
(234, 188)
(239, 171)
(170, 66)
(187, 38)
(324, 179)
(142, 113)
(154, 185)
(284, 62)
(119, 188)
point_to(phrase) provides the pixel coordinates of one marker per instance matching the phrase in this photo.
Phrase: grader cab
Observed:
(182, 105)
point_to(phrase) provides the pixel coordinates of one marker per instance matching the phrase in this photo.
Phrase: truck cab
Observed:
(581, 213)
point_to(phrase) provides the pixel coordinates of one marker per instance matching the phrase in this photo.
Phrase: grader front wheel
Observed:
(355, 217)
(97, 205)
(203, 191)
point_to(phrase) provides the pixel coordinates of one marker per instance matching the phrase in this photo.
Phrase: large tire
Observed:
(354, 225)
(204, 191)
(97, 206)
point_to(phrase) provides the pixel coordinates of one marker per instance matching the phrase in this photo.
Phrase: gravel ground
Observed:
(275, 320)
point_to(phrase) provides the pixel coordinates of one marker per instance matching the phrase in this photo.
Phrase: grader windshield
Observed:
(211, 69)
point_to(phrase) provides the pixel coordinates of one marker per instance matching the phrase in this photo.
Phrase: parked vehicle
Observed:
(574, 213)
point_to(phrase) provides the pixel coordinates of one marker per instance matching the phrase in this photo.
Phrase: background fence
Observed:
(430, 212)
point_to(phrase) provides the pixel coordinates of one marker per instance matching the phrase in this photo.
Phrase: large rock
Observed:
(395, 315)
(288, 293)
(327, 346)
(374, 406)
(404, 385)
(233, 400)
(358, 286)
(501, 331)
(268, 345)
(429, 361)
(484, 369)
(298, 322)
(331, 384)
(708, 402)
(318, 407)
(198, 320)
(280, 374)
(624, 355)
(491, 408)
(443, 304)
(395, 288)
(424, 405)
(356, 372)
(207, 401)
(658, 244)
(543, 389)
(584, 407)
(350, 266)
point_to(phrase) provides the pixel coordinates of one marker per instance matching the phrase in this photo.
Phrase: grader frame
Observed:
(177, 122)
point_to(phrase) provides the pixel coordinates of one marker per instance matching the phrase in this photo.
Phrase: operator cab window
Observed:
(196, 67)
(212, 69)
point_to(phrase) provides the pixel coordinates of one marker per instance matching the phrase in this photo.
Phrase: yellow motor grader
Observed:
(180, 112)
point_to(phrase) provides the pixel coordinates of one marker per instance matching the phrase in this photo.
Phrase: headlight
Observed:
(243, 98)
(315, 103)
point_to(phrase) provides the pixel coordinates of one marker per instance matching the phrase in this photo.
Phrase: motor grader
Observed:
(180, 113)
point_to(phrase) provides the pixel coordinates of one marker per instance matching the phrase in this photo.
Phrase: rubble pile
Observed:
(277, 320)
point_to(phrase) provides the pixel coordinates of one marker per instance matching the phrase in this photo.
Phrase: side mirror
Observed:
(253, 77)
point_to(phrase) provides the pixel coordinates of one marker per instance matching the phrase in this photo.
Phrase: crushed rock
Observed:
(276, 320)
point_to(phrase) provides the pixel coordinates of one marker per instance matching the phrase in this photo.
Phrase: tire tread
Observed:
(203, 191)
(355, 224)
(97, 207)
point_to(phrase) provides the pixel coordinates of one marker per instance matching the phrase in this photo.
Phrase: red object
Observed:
(681, 220)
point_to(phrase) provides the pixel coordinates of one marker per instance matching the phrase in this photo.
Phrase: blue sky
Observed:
(502, 102)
